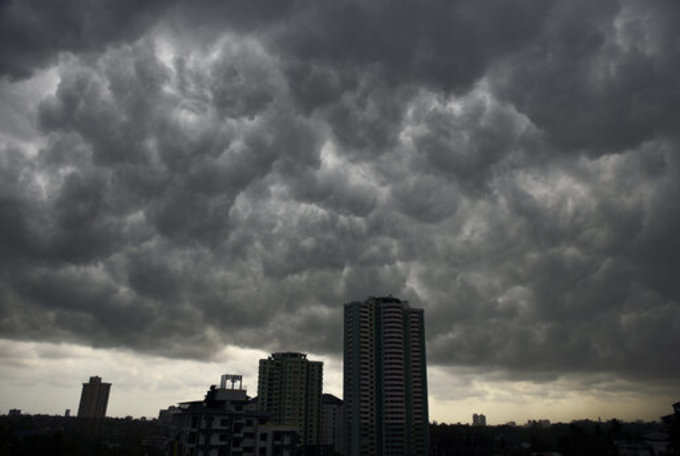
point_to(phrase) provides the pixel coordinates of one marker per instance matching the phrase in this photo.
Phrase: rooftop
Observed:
(288, 355)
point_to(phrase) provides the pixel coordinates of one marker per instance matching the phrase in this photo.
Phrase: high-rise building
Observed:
(289, 388)
(385, 379)
(331, 423)
(94, 399)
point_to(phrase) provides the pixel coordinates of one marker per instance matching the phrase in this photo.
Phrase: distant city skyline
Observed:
(187, 186)
(137, 394)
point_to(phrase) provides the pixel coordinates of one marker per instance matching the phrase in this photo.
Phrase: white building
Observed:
(227, 422)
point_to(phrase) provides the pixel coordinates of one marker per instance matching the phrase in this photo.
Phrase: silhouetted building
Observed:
(478, 419)
(538, 423)
(385, 379)
(94, 399)
(14, 412)
(165, 416)
(331, 423)
(67, 413)
(289, 388)
(227, 422)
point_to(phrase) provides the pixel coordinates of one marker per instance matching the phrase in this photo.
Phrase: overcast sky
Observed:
(188, 186)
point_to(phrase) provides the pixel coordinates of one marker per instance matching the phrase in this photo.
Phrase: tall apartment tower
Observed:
(94, 399)
(385, 379)
(289, 388)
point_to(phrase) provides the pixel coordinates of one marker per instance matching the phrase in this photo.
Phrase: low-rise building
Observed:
(225, 423)
(331, 424)
(543, 423)
(165, 416)
(478, 419)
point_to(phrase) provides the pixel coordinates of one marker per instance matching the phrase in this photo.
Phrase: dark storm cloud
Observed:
(596, 82)
(33, 32)
(467, 142)
(233, 172)
(572, 290)
(446, 45)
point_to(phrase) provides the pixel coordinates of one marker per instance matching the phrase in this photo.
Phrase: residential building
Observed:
(94, 399)
(331, 423)
(385, 379)
(227, 422)
(289, 389)
(165, 416)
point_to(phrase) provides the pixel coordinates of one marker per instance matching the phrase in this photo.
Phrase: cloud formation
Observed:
(190, 176)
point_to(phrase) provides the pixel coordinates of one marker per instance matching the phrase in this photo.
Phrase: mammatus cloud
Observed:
(34, 32)
(179, 178)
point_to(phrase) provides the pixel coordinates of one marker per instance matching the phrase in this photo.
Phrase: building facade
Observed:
(385, 379)
(289, 389)
(94, 399)
(227, 423)
(331, 423)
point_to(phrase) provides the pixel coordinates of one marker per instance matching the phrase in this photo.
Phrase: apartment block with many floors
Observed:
(289, 389)
(94, 399)
(385, 379)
